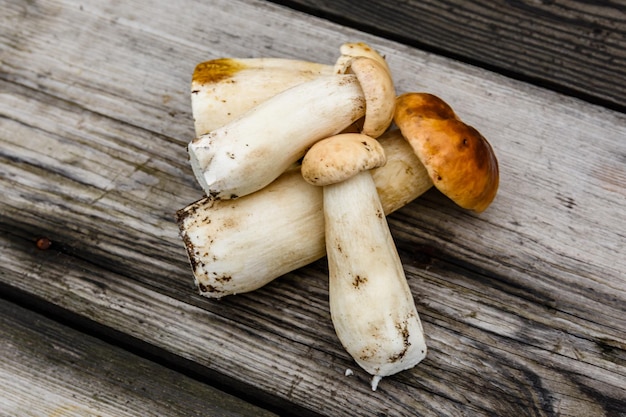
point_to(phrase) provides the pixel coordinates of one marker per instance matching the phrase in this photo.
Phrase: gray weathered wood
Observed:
(47, 369)
(523, 305)
(571, 45)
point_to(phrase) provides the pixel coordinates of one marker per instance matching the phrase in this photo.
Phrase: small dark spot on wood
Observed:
(379, 214)
(195, 92)
(609, 346)
(233, 196)
(43, 243)
(568, 202)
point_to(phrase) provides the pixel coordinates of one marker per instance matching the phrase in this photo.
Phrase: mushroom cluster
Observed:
(299, 160)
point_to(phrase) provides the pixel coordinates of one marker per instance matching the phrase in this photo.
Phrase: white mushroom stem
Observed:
(371, 304)
(247, 154)
(223, 89)
(237, 246)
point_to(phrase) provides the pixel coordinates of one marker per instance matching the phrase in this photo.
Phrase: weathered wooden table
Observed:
(524, 305)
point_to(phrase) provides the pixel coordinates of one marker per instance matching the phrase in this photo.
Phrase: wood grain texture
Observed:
(578, 47)
(523, 305)
(51, 370)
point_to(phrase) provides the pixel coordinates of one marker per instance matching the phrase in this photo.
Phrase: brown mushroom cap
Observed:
(459, 160)
(340, 157)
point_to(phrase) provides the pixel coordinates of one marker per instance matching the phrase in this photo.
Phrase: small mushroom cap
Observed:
(340, 157)
(358, 49)
(459, 160)
(379, 93)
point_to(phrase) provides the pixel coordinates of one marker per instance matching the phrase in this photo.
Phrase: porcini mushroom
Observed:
(223, 89)
(371, 305)
(248, 153)
(227, 241)
(251, 151)
(459, 160)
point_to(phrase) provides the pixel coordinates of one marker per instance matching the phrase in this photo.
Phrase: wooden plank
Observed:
(576, 47)
(275, 339)
(51, 370)
(522, 305)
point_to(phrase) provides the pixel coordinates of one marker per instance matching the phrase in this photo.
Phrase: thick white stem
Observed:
(237, 246)
(223, 89)
(371, 304)
(247, 154)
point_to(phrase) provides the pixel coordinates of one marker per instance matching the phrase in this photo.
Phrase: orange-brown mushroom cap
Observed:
(459, 160)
